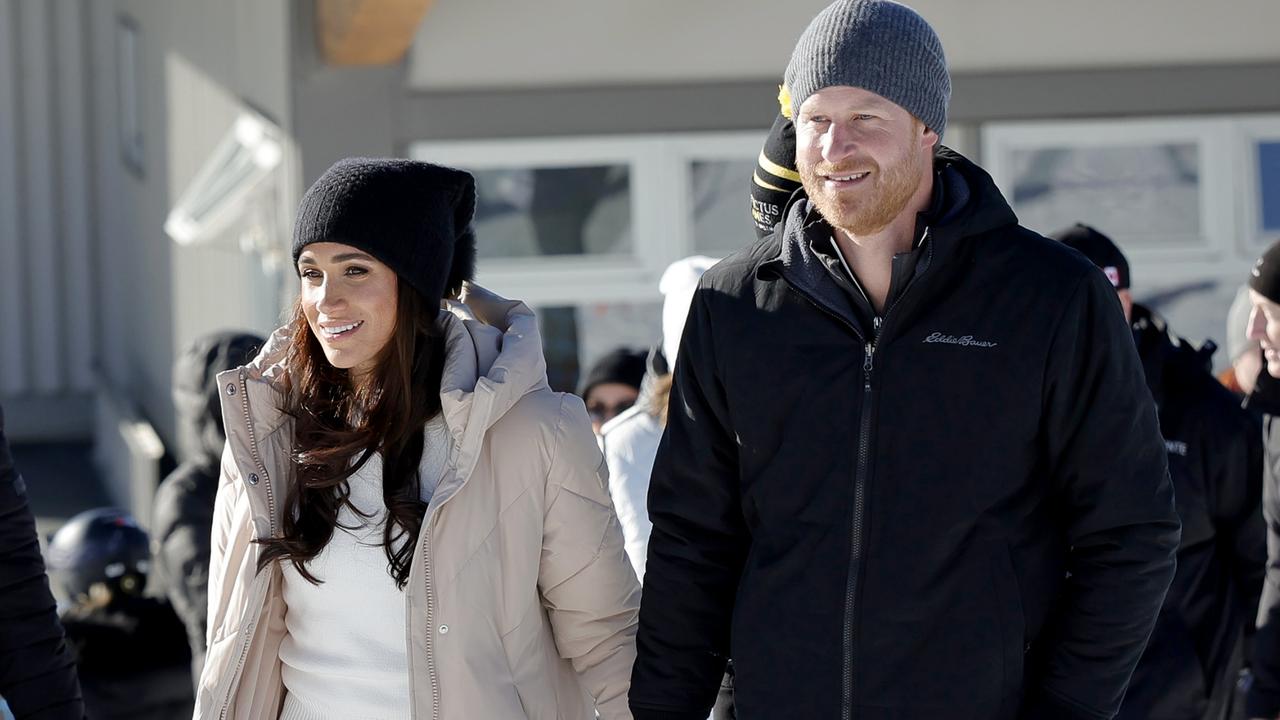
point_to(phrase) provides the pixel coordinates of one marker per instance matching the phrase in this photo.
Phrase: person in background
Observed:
(183, 517)
(1244, 352)
(37, 669)
(630, 440)
(1189, 669)
(882, 489)
(132, 653)
(613, 385)
(1263, 701)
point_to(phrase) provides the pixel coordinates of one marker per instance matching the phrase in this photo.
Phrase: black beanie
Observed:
(413, 216)
(1264, 278)
(775, 178)
(1100, 251)
(623, 365)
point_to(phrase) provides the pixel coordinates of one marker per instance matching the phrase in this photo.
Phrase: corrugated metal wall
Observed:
(47, 314)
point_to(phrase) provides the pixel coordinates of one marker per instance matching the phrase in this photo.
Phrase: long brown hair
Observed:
(336, 419)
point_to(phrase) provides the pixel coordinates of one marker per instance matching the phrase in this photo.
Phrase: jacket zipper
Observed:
(859, 510)
(253, 450)
(271, 520)
(861, 477)
(431, 655)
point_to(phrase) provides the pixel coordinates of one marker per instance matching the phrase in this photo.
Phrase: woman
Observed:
(409, 522)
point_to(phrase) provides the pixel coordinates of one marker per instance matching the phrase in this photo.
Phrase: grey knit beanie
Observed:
(876, 45)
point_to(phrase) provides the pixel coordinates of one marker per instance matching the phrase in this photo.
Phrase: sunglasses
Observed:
(604, 412)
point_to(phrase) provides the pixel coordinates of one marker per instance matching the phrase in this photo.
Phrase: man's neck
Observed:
(870, 257)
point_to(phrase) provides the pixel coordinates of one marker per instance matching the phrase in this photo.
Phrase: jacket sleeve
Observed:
(1113, 497)
(1264, 696)
(37, 670)
(698, 545)
(587, 584)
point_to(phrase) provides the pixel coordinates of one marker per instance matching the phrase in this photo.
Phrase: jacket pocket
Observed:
(1012, 630)
(528, 663)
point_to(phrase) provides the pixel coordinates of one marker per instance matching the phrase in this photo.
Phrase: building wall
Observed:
(199, 63)
(47, 257)
(469, 45)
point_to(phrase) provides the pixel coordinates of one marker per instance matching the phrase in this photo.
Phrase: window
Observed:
(1150, 185)
(1269, 186)
(1191, 201)
(1260, 146)
(582, 228)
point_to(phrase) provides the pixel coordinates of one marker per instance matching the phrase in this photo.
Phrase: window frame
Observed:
(1252, 132)
(660, 176)
(1211, 136)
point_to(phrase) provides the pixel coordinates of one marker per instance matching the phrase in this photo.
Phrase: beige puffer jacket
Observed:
(521, 602)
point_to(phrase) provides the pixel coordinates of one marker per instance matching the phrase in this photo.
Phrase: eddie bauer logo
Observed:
(963, 340)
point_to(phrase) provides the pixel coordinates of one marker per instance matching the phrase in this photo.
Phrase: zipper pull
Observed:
(875, 326)
(870, 350)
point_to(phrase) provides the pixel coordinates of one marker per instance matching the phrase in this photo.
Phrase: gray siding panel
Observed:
(75, 165)
(44, 293)
(13, 364)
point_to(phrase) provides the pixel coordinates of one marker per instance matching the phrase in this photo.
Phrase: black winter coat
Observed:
(37, 671)
(881, 527)
(1214, 449)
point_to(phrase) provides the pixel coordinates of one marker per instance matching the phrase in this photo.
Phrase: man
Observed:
(37, 672)
(1214, 446)
(911, 469)
(1264, 326)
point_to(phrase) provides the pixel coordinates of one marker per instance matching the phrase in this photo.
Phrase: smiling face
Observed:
(862, 159)
(1264, 326)
(349, 300)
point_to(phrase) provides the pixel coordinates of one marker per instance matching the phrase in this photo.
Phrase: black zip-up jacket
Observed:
(37, 671)
(1214, 450)
(881, 527)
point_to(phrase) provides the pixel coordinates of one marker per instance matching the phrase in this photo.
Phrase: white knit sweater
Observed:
(344, 655)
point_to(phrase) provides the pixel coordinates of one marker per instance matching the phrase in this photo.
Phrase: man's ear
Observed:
(928, 138)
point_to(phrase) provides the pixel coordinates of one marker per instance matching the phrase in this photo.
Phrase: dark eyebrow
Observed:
(308, 260)
(351, 256)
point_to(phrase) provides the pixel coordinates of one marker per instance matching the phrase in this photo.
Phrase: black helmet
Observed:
(104, 545)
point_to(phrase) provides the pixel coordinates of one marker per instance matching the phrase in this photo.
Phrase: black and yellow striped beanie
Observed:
(775, 178)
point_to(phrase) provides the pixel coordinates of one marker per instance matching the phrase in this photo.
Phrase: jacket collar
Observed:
(493, 358)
